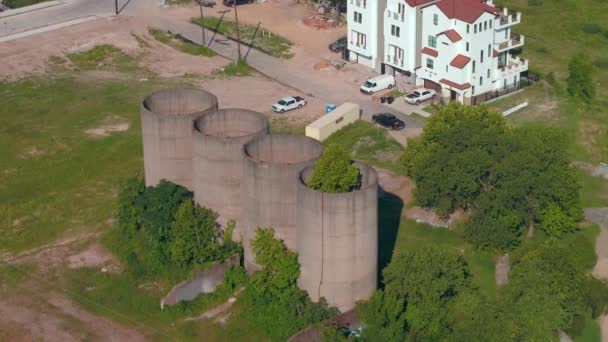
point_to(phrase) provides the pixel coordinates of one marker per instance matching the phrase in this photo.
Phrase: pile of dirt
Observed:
(426, 215)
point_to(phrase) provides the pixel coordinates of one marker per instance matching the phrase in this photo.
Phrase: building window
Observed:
(473, 66)
(467, 47)
(432, 41)
(488, 73)
(446, 68)
(485, 25)
(435, 19)
(489, 50)
(358, 17)
(481, 55)
(491, 23)
(401, 9)
(515, 81)
(475, 28)
(395, 30)
(429, 63)
(468, 28)
(359, 38)
(480, 80)
(506, 33)
(473, 90)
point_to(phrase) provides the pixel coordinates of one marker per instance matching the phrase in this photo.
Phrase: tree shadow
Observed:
(389, 218)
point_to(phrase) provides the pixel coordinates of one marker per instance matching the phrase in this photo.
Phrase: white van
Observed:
(378, 83)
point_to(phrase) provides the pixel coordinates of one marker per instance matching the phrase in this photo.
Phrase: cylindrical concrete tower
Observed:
(337, 239)
(218, 138)
(166, 123)
(269, 186)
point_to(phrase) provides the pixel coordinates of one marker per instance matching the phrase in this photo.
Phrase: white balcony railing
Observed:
(395, 15)
(512, 43)
(398, 62)
(515, 65)
(506, 19)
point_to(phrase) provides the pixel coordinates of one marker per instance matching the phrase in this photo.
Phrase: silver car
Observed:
(419, 95)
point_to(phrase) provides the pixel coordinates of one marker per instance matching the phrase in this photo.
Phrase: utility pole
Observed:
(238, 32)
(200, 3)
(116, 6)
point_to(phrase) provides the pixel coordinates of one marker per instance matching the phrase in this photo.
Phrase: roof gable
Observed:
(460, 61)
(414, 3)
(452, 35)
(430, 52)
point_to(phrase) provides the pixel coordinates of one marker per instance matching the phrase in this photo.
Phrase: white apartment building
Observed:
(460, 48)
(365, 38)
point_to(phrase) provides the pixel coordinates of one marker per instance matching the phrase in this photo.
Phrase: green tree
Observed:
(334, 171)
(580, 80)
(421, 287)
(195, 234)
(556, 222)
(334, 333)
(273, 300)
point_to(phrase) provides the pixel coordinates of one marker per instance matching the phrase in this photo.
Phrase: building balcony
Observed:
(514, 65)
(514, 42)
(394, 61)
(395, 15)
(506, 19)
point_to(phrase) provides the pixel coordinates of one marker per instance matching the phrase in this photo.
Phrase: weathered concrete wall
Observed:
(218, 138)
(337, 241)
(204, 281)
(166, 122)
(269, 186)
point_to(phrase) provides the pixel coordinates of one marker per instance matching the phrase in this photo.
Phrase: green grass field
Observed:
(180, 43)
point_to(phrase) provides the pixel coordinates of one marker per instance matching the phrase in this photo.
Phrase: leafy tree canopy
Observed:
(334, 171)
(417, 300)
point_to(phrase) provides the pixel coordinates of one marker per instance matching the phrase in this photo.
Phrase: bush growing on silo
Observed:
(334, 171)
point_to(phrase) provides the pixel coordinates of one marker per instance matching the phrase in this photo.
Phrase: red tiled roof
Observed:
(465, 10)
(452, 35)
(413, 3)
(460, 61)
(430, 52)
(496, 53)
(455, 85)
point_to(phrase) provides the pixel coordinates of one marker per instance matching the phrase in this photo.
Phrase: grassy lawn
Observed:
(239, 69)
(370, 145)
(265, 41)
(543, 105)
(180, 43)
(283, 126)
(21, 3)
(104, 57)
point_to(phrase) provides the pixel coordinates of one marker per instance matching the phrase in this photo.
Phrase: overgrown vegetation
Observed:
(509, 178)
(104, 57)
(238, 69)
(180, 43)
(580, 81)
(274, 302)
(334, 171)
(265, 41)
(160, 233)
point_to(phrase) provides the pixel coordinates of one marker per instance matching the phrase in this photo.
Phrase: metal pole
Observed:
(238, 32)
(116, 6)
(202, 23)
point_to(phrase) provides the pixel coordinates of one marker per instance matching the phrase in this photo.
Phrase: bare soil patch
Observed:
(105, 130)
(426, 215)
(95, 255)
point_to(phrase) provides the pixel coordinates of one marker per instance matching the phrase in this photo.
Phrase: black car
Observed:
(238, 2)
(338, 45)
(388, 120)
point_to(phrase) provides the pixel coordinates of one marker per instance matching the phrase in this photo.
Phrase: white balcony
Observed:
(514, 42)
(515, 65)
(394, 61)
(506, 19)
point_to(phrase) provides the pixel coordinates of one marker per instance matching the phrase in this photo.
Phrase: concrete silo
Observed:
(218, 138)
(166, 122)
(269, 186)
(337, 240)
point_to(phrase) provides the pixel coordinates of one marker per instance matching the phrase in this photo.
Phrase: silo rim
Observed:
(256, 161)
(373, 180)
(212, 104)
(264, 120)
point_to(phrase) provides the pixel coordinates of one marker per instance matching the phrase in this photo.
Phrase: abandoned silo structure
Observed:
(218, 138)
(269, 186)
(337, 240)
(166, 122)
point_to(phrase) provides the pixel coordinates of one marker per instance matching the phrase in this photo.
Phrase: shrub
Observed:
(597, 296)
(334, 171)
(592, 28)
(535, 2)
(580, 82)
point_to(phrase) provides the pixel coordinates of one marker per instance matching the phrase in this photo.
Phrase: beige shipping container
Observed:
(333, 121)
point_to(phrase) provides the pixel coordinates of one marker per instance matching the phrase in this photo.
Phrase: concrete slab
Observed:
(28, 9)
(47, 28)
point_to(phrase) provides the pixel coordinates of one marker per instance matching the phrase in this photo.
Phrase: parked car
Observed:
(378, 83)
(338, 45)
(288, 103)
(419, 95)
(206, 3)
(388, 120)
(238, 2)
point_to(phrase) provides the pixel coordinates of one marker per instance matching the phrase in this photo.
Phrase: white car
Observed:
(419, 95)
(288, 103)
